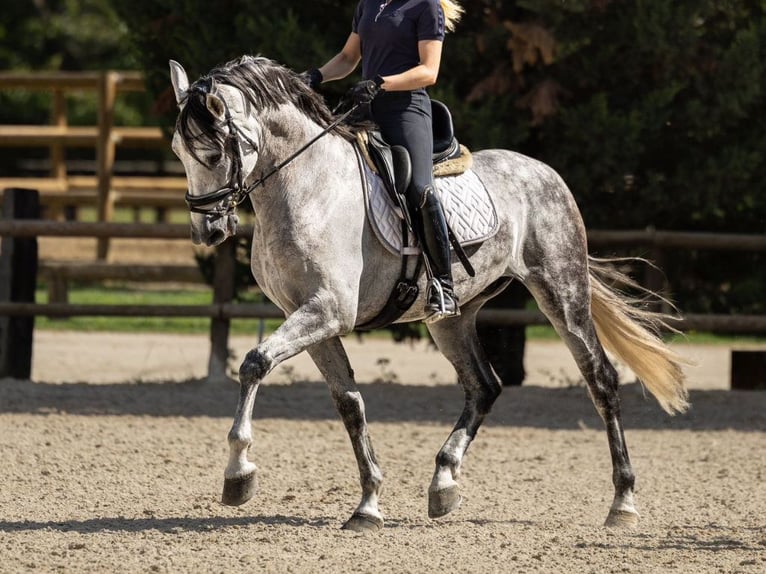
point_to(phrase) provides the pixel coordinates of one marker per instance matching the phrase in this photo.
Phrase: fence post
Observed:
(504, 344)
(224, 289)
(748, 370)
(105, 152)
(18, 280)
(58, 153)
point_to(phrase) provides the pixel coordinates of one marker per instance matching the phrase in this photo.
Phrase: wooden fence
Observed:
(222, 310)
(104, 189)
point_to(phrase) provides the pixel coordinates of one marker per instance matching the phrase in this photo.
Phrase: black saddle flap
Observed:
(402, 168)
(380, 153)
(392, 162)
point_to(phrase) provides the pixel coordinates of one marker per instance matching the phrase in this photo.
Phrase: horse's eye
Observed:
(214, 158)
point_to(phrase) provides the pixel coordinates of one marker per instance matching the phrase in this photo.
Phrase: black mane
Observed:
(264, 84)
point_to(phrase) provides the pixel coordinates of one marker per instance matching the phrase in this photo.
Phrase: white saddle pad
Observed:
(467, 206)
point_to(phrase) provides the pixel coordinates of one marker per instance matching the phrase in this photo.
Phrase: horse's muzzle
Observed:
(211, 230)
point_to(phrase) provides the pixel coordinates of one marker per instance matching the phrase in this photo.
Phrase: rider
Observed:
(400, 44)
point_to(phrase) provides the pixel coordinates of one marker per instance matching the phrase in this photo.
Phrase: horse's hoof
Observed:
(621, 519)
(442, 502)
(363, 523)
(237, 491)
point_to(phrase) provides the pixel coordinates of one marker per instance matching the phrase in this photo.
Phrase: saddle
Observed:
(393, 165)
(394, 168)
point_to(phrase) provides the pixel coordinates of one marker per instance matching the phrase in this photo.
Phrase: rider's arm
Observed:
(344, 61)
(422, 75)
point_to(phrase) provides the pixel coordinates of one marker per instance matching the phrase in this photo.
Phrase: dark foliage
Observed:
(651, 110)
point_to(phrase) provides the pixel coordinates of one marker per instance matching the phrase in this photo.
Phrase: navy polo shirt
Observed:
(390, 34)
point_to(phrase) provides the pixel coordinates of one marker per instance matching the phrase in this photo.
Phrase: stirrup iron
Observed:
(442, 312)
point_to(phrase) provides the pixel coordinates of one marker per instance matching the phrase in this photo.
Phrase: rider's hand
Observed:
(365, 91)
(312, 77)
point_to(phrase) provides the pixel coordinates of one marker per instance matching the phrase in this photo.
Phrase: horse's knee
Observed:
(255, 366)
(604, 389)
(608, 375)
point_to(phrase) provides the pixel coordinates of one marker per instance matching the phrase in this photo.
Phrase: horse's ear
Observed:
(216, 106)
(179, 79)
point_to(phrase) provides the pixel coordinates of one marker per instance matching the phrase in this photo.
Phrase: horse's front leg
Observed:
(331, 360)
(306, 326)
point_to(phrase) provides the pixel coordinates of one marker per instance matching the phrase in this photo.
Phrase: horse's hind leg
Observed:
(458, 341)
(332, 361)
(565, 300)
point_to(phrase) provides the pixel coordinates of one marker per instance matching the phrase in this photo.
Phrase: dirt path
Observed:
(112, 464)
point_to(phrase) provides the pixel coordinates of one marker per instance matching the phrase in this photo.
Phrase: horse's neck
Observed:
(305, 181)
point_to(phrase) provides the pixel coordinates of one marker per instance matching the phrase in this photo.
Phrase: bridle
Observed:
(225, 199)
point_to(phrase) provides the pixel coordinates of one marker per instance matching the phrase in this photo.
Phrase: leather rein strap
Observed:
(235, 191)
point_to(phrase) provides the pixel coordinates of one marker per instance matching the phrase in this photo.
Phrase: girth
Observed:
(396, 171)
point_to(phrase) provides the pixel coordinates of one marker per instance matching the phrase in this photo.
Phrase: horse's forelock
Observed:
(196, 124)
(264, 83)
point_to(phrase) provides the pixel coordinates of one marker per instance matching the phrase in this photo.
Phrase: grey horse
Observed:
(315, 256)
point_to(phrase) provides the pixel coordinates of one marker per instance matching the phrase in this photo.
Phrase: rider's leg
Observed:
(405, 119)
(433, 235)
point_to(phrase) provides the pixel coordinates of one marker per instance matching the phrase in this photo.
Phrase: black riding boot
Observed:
(442, 302)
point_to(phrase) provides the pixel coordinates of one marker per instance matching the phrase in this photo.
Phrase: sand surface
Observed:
(113, 457)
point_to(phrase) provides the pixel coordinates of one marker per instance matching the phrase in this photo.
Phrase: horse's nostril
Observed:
(216, 237)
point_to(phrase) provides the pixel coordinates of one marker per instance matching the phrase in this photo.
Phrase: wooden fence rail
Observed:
(212, 311)
(741, 324)
(103, 190)
(596, 238)
(40, 228)
(678, 240)
(223, 310)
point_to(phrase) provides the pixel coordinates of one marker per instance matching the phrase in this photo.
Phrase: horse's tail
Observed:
(631, 333)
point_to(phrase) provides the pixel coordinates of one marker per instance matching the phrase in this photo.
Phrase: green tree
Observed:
(649, 109)
(652, 111)
(201, 35)
(63, 35)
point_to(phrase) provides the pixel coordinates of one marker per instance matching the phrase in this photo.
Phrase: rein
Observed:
(235, 191)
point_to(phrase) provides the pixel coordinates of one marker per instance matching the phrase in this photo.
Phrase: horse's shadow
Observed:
(684, 538)
(537, 407)
(162, 525)
(175, 525)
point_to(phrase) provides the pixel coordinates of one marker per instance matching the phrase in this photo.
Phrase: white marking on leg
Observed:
(442, 479)
(454, 449)
(624, 503)
(241, 436)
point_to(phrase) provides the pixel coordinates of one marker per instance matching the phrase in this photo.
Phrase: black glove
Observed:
(365, 91)
(312, 77)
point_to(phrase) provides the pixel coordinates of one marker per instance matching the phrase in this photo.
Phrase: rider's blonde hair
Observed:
(452, 13)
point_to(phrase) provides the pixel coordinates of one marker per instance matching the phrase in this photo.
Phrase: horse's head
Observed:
(223, 121)
(216, 141)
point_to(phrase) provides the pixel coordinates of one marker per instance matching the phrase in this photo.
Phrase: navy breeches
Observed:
(404, 119)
